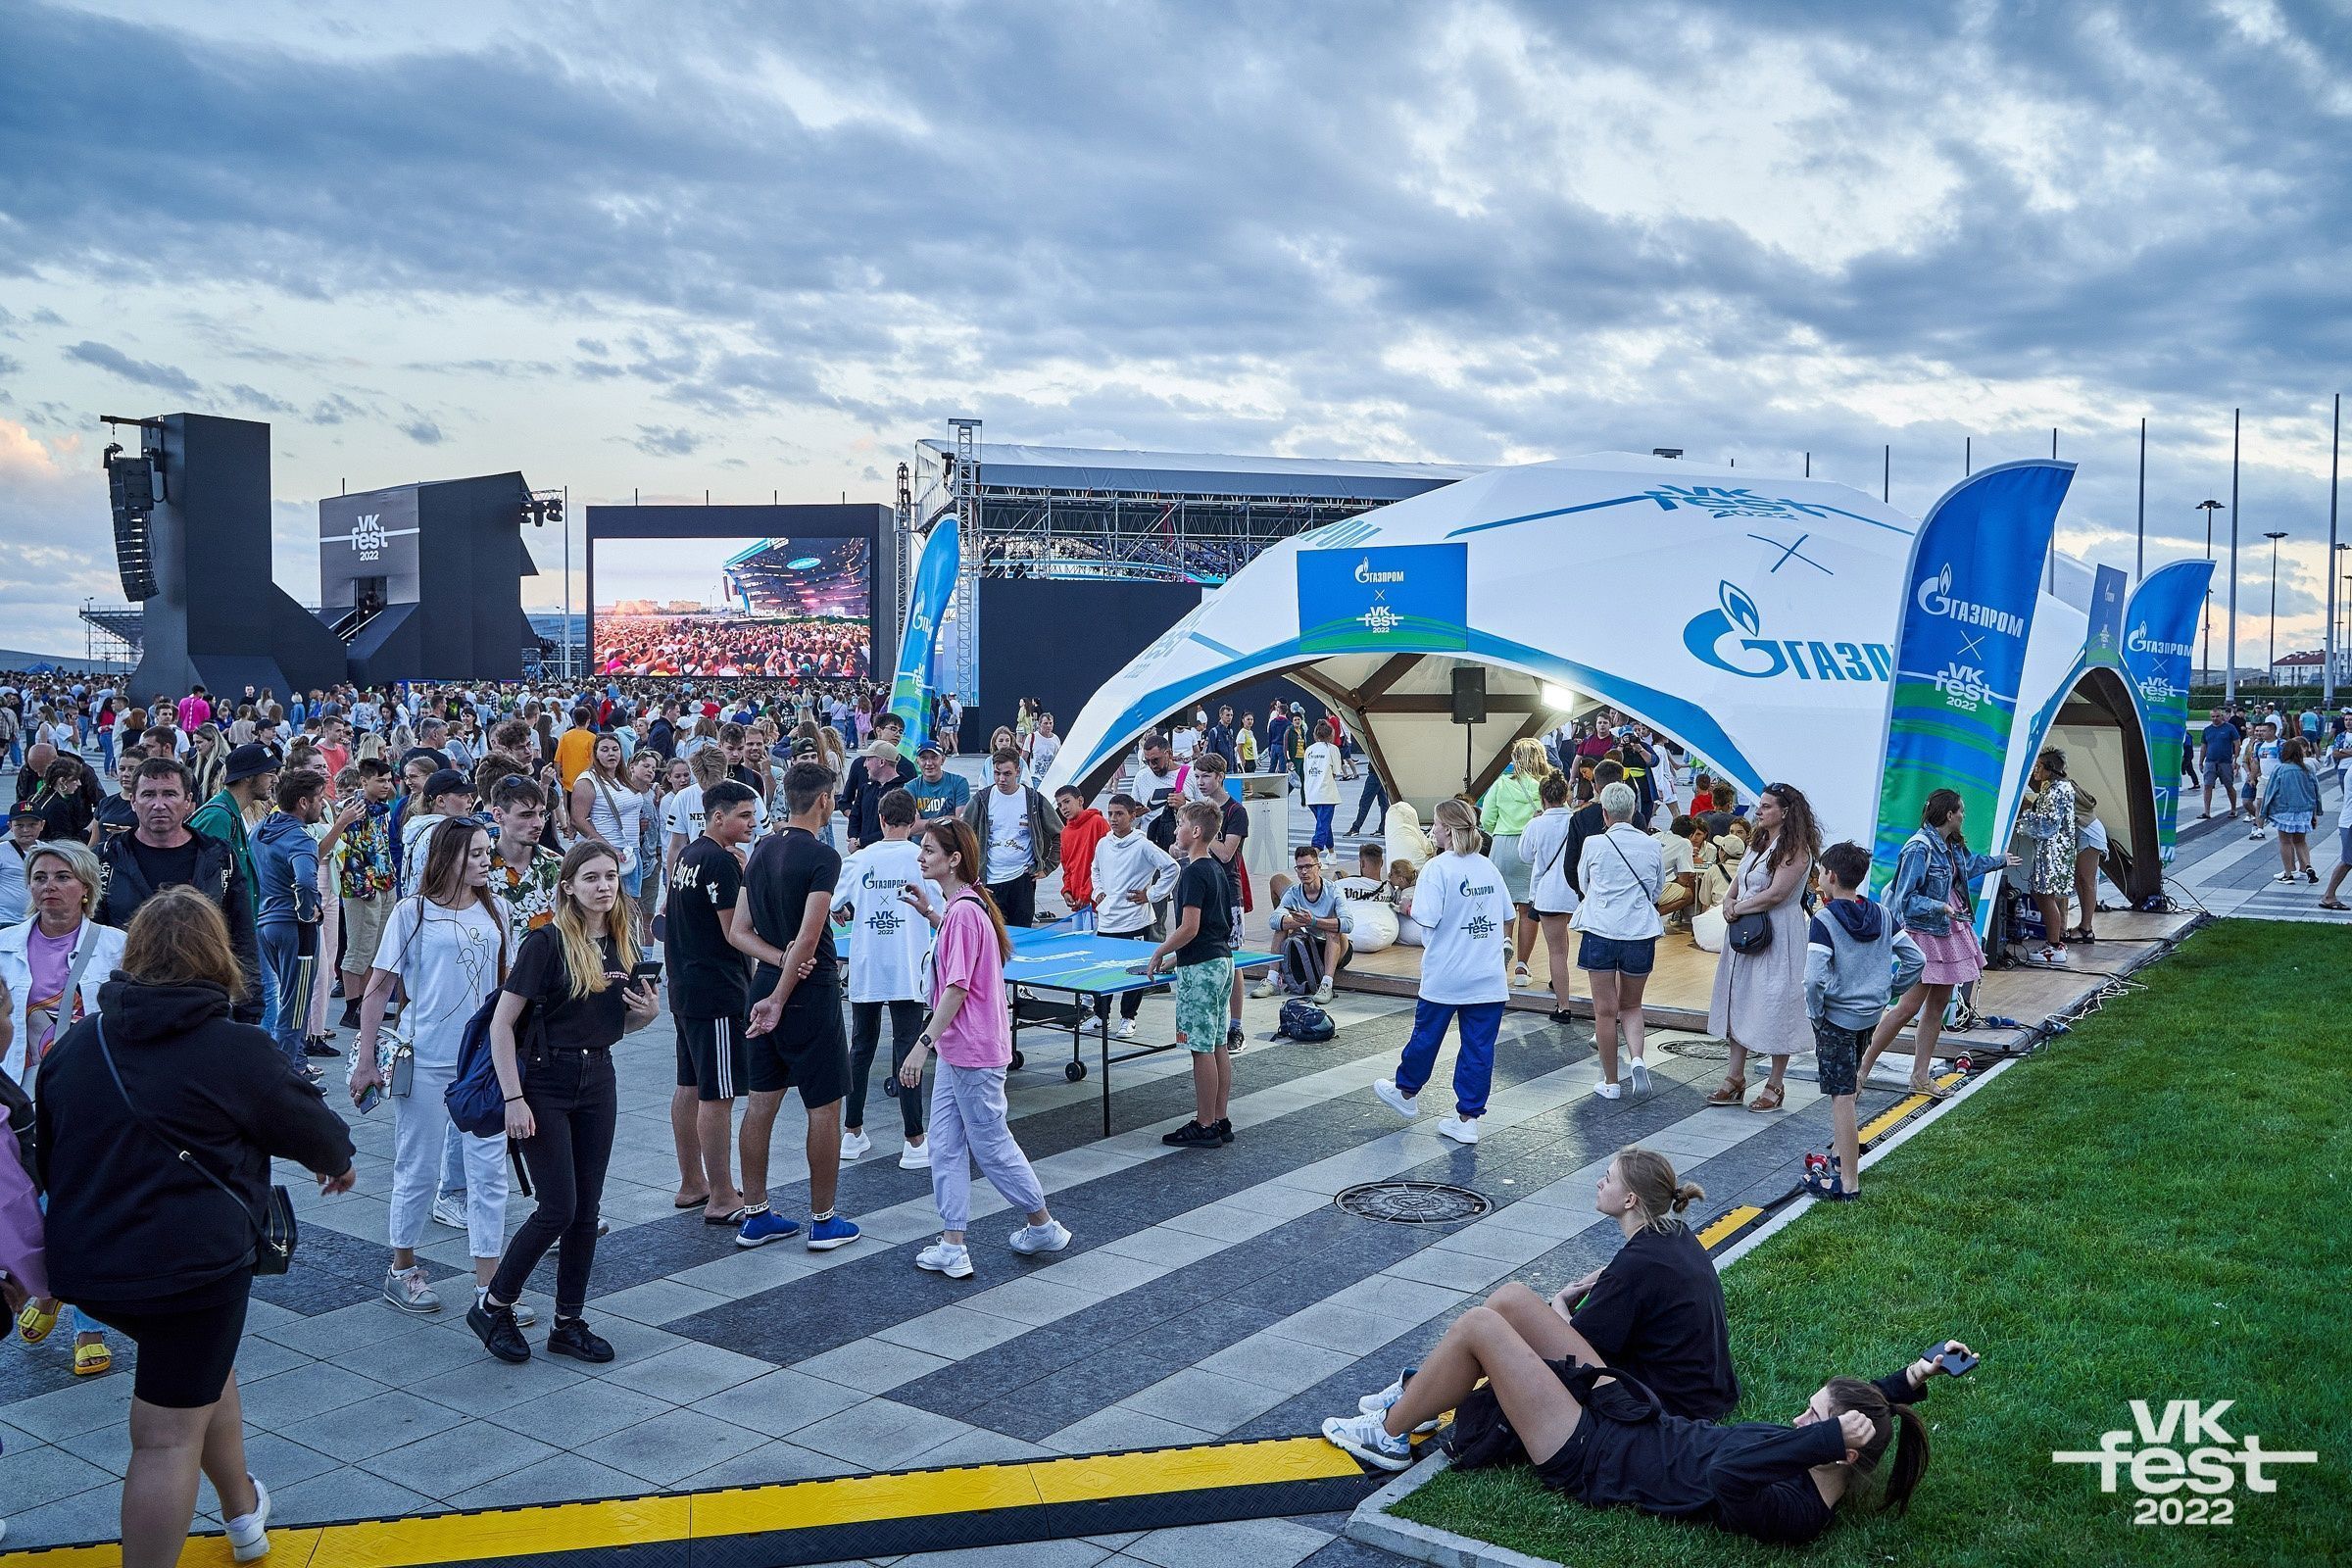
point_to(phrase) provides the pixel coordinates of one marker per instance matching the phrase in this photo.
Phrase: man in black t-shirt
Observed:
(709, 984)
(795, 1039)
(1200, 949)
(162, 852)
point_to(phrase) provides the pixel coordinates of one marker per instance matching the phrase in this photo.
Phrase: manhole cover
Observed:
(1699, 1049)
(1414, 1203)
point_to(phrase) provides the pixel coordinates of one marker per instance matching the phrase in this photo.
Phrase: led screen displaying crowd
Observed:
(772, 608)
(730, 645)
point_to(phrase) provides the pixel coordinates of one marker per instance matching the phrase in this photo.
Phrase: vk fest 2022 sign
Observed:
(1385, 599)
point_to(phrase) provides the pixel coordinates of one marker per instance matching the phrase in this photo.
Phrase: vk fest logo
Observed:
(2155, 687)
(1731, 638)
(368, 535)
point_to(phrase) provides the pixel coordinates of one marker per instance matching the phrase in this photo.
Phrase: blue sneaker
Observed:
(765, 1227)
(825, 1235)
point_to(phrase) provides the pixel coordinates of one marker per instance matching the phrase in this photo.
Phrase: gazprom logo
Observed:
(2140, 642)
(880, 884)
(1731, 638)
(1933, 597)
(1365, 574)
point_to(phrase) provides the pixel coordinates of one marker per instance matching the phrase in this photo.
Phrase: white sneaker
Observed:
(1641, 1077)
(853, 1145)
(916, 1157)
(1608, 1090)
(249, 1533)
(406, 1289)
(955, 1262)
(1263, 989)
(1381, 1402)
(1460, 1130)
(1323, 992)
(1396, 1098)
(2256, 834)
(1520, 976)
(450, 1211)
(1051, 1236)
(2285, 876)
(1125, 1030)
(1368, 1439)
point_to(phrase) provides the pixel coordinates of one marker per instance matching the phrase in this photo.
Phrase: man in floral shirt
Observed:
(367, 882)
(522, 870)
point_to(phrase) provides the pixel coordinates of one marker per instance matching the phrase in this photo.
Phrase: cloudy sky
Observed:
(757, 248)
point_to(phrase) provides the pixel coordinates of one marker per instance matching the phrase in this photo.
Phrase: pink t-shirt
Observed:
(193, 712)
(966, 954)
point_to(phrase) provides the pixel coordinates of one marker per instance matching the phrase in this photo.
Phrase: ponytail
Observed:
(1892, 1425)
(1649, 1176)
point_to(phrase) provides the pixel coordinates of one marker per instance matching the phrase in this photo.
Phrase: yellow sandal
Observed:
(35, 1321)
(92, 1360)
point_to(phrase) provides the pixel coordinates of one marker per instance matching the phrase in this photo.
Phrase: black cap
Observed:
(249, 760)
(24, 808)
(447, 781)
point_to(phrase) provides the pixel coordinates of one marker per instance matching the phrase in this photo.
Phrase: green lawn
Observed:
(2154, 1206)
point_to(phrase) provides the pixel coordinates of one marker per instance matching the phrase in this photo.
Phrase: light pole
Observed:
(2230, 682)
(2273, 538)
(2209, 508)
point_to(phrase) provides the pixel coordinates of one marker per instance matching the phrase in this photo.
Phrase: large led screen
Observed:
(773, 607)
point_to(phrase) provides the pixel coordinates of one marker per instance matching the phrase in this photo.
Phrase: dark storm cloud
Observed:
(165, 377)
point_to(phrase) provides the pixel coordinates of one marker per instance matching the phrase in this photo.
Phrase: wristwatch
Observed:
(924, 1041)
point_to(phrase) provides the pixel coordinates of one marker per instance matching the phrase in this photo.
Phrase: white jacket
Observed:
(1124, 865)
(16, 972)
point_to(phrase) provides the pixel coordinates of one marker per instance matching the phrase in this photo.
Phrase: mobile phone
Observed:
(648, 972)
(370, 1097)
(1952, 1361)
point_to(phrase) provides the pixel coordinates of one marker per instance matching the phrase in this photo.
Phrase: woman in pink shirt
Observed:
(972, 1033)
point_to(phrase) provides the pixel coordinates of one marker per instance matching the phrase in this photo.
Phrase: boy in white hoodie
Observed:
(1130, 873)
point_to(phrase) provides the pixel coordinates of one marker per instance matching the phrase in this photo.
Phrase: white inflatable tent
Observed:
(1752, 619)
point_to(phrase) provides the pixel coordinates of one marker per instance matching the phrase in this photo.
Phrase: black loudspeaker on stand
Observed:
(1470, 694)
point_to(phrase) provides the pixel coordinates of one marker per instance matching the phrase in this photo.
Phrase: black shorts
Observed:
(186, 1354)
(1838, 1057)
(710, 1057)
(808, 1050)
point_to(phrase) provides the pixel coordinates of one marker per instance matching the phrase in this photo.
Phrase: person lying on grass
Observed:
(1655, 1311)
(1599, 1435)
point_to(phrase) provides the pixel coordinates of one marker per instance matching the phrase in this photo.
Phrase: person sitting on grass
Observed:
(1655, 1311)
(1599, 1435)
(1849, 948)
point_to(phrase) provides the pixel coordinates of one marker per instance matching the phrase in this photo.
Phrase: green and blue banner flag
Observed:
(2160, 639)
(926, 607)
(1975, 577)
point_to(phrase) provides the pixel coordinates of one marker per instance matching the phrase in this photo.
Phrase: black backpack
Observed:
(1304, 1020)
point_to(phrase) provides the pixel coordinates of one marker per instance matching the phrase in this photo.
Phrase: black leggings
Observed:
(865, 1034)
(185, 1353)
(574, 1103)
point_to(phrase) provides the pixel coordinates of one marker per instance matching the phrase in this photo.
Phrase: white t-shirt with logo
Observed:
(1464, 910)
(888, 939)
(1007, 848)
(1322, 765)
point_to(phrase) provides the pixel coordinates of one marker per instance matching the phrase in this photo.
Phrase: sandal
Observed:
(35, 1321)
(1768, 1098)
(92, 1360)
(2335, 903)
(1930, 1089)
(1733, 1092)
(682, 1203)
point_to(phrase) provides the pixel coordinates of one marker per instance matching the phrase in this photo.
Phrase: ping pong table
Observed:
(1068, 957)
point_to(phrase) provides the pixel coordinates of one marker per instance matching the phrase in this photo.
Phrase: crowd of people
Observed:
(733, 646)
(2268, 765)
(482, 876)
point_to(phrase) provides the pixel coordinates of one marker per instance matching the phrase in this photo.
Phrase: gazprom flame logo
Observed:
(1365, 574)
(2140, 642)
(1731, 638)
(1933, 596)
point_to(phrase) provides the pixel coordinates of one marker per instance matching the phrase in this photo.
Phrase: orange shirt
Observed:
(575, 749)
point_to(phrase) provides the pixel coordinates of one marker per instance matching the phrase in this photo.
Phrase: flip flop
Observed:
(683, 1204)
(735, 1218)
(2335, 903)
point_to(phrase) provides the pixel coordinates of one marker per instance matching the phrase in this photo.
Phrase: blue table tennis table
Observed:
(1068, 957)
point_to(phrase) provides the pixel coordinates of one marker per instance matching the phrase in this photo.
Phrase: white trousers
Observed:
(419, 1122)
(969, 1124)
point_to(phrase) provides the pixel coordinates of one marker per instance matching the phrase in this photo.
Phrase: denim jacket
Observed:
(1921, 893)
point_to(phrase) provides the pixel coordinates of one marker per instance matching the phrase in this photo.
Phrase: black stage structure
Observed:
(425, 581)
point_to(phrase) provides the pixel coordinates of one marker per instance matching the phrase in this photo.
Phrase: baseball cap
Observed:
(249, 760)
(447, 781)
(929, 749)
(23, 809)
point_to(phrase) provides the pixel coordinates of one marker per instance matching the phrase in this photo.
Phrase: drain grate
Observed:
(1697, 1049)
(1414, 1203)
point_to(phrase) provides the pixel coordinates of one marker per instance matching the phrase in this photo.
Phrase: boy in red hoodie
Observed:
(1082, 828)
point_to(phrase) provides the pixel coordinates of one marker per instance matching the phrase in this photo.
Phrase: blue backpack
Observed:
(476, 1103)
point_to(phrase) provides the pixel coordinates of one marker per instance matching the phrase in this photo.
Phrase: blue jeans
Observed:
(1322, 838)
(453, 1164)
(1473, 1066)
(1374, 801)
(281, 959)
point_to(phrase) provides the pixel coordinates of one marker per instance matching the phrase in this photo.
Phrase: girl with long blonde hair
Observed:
(1465, 913)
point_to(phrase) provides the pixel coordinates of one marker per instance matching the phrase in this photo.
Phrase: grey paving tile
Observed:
(344, 1493)
(1455, 1271)
(275, 1404)
(576, 1415)
(367, 1327)
(873, 1366)
(1242, 1544)
(1339, 1328)
(1386, 1295)
(458, 1459)
(279, 1461)
(880, 1434)
(1203, 1400)
(953, 1332)
(95, 1514)
(780, 1403)
(979, 1445)
(1120, 1428)
(80, 1407)
(563, 1478)
(1504, 1245)
(34, 1473)
(1099, 1273)
(656, 1302)
(768, 1465)
(486, 1387)
(1285, 1365)
(392, 1419)
(1068, 1554)
(1165, 1246)
(259, 1358)
(1033, 1301)
(688, 1372)
(672, 1446)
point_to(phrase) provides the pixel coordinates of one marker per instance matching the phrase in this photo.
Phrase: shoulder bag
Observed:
(1751, 932)
(274, 1229)
(626, 853)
